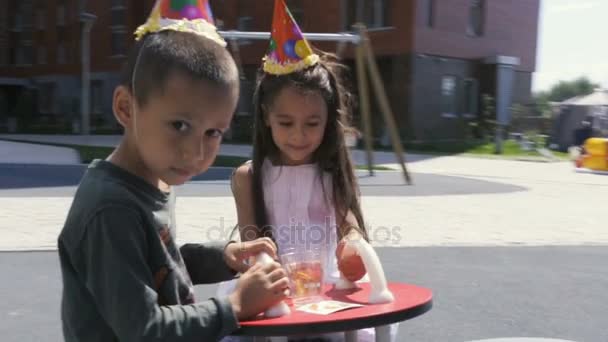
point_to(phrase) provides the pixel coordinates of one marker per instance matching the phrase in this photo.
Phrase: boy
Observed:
(124, 277)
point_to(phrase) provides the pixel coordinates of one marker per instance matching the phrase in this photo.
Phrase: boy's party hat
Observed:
(181, 15)
(289, 51)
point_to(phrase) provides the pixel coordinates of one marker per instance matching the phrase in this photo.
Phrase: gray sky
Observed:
(573, 41)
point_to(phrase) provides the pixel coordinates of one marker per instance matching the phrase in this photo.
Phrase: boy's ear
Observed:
(122, 105)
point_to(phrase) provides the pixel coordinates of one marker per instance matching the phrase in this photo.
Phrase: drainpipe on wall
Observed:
(87, 20)
(505, 81)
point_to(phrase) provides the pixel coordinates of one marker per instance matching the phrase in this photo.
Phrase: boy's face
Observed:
(177, 133)
(297, 120)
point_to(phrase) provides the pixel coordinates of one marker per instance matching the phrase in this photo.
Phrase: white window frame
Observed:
(454, 94)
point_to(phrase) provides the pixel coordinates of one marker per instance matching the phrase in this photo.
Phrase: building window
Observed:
(295, 7)
(476, 18)
(244, 23)
(96, 96)
(119, 43)
(61, 54)
(27, 9)
(62, 42)
(18, 22)
(61, 14)
(41, 55)
(22, 16)
(24, 51)
(4, 56)
(46, 97)
(448, 97)
(26, 37)
(119, 17)
(41, 19)
(62, 35)
(470, 90)
(24, 55)
(378, 16)
(119, 13)
(350, 11)
(372, 13)
(429, 15)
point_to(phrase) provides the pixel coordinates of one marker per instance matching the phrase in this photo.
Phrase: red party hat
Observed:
(181, 15)
(289, 51)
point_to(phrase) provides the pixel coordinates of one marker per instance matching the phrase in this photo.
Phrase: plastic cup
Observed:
(305, 271)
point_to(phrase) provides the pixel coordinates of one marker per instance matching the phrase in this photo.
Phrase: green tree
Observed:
(541, 104)
(564, 90)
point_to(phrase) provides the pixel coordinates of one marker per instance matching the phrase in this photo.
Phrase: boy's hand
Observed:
(237, 252)
(257, 289)
(349, 262)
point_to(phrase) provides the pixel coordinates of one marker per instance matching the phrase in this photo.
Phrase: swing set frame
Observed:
(364, 60)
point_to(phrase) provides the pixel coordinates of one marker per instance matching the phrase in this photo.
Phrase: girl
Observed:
(301, 182)
(300, 188)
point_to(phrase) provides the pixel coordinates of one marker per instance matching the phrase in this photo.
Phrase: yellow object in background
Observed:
(597, 163)
(596, 146)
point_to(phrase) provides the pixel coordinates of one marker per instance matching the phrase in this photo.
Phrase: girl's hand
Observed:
(236, 253)
(349, 262)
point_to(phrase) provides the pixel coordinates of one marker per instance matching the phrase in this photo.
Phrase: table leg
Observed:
(350, 336)
(383, 333)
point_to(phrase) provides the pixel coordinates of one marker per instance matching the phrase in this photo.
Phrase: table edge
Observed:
(340, 326)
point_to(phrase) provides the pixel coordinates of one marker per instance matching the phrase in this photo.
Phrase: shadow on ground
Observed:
(62, 180)
(478, 292)
(18, 176)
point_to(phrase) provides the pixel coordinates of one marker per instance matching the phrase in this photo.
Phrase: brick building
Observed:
(40, 59)
(436, 57)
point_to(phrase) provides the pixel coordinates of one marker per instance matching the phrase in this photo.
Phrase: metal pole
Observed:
(385, 108)
(87, 21)
(365, 107)
(328, 37)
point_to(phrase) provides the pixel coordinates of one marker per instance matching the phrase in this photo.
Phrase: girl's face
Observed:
(297, 119)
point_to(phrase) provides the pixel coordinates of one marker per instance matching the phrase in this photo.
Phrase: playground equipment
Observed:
(364, 60)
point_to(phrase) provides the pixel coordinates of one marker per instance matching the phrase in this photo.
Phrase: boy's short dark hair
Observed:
(158, 55)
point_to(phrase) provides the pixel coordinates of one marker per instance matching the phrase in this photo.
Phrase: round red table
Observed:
(410, 301)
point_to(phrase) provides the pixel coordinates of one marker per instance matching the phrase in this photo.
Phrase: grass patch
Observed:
(89, 153)
(229, 161)
(374, 167)
(510, 149)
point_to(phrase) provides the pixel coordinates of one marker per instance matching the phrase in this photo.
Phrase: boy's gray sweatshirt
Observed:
(124, 279)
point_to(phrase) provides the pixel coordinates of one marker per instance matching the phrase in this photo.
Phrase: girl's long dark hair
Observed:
(332, 156)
